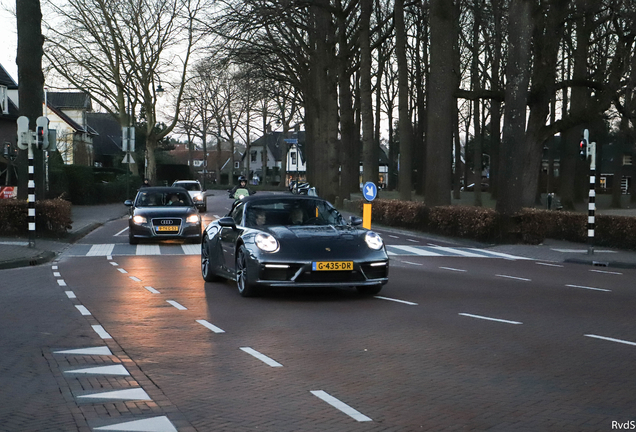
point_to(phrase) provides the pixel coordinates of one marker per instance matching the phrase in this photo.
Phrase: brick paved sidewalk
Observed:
(14, 251)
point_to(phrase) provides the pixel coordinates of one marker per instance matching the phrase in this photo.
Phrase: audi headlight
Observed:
(139, 220)
(192, 219)
(374, 241)
(198, 197)
(266, 242)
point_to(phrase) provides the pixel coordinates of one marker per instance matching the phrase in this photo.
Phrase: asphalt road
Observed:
(457, 340)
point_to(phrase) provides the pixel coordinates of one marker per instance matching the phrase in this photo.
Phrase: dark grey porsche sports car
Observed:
(163, 213)
(290, 240)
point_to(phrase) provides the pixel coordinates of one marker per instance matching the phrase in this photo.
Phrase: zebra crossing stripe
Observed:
(148, 250)
(458, 252)
(416, 251)
(101, 250)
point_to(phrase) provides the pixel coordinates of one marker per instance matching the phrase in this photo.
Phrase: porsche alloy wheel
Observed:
(242, 281)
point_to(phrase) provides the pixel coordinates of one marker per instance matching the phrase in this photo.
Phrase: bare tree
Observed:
(115, 49)
(441, 96)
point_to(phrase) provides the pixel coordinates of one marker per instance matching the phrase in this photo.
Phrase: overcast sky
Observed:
(9, 39)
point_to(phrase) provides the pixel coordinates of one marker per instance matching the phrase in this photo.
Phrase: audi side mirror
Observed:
(128, 203)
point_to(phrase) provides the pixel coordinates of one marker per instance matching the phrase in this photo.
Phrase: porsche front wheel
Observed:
(242, 279)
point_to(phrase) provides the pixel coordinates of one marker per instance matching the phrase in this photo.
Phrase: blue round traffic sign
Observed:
(369, 191)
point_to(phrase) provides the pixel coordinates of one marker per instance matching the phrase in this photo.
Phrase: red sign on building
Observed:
(8, 192)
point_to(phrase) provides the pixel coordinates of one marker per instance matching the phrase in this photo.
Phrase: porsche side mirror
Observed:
(227, 222)
(128, 203)
(355, 221)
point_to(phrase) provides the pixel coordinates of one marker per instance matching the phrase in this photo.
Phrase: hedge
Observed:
(52, 217)
(483, 224)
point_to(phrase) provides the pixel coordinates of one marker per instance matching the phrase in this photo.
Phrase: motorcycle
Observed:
(239, 194)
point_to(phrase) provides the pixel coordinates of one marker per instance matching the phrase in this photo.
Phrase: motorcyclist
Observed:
(242, 185)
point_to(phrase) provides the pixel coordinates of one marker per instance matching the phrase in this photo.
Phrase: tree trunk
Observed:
(30, 88)
(520, 28)
(474, 73)
(495, 105)
(369, 149)
(441, 96)
(547, 38)
(404, 120)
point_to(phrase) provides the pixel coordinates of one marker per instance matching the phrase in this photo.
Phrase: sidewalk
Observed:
(15, 251)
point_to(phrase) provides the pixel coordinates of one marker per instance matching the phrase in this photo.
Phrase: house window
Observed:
(627, 159)
(237, 165)
(4, 100)
(253, 156)
(293, 158)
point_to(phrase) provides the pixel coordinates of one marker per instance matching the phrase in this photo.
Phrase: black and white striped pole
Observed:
(588, 151)
(27, 139)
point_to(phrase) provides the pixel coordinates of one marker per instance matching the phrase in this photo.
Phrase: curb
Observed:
(42, 258)
(599, 263)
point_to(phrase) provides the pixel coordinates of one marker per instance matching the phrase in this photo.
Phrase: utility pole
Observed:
(588, 151)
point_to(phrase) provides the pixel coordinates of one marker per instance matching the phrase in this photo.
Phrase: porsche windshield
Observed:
(302, 212)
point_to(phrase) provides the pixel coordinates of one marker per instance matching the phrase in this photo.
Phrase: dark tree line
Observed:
(529, 70)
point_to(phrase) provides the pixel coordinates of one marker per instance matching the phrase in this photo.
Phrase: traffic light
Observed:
(583, 149)
(42, 133)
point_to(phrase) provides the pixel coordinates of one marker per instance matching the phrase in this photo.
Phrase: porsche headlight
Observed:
(266, 242)
(193, 218)
(374, 241)
(198, 197)
(139, 220)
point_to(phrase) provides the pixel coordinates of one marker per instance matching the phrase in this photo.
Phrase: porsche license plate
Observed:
(332, 265)
(168, 228)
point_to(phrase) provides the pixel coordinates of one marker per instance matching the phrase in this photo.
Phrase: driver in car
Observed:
(296, 216)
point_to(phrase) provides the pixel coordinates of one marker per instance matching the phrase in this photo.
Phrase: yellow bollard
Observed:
(366, 215)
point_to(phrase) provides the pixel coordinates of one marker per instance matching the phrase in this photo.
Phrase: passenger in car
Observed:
(296, 216)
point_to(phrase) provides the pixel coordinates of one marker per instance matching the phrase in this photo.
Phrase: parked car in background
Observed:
(471, 187)
(163, 213)
(196, 192)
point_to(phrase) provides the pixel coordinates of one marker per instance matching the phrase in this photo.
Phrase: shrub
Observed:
(531, 225)
(51, 217)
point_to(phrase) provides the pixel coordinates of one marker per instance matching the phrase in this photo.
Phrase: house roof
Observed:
(6, 80)
(70, 100)
(108, 133)
(275, 141)
(72, 123)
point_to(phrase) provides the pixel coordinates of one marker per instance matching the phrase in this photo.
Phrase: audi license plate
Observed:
(168, 228)
(332, 265)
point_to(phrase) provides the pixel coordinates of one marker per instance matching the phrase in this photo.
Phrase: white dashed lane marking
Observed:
(549, 265)
(452, 269)
(588, 288)
(177, 305)
(490, 319)
(611, 339)
(101, 332)
(61, 282)
(83, 310)
(396, 300)
(351, 412)
(514, 277)
(70, 294)
(152, 290)
(262, 357)
(209, 326)
(121, 270)
(606, 272)
(136, 279)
